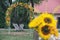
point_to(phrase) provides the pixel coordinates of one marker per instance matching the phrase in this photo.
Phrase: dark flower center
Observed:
(47, 20)
(45, 30)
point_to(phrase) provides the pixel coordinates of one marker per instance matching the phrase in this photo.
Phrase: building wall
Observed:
(48, 6)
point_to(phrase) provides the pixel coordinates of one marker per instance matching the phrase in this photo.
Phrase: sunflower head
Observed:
(45, 30)
(47, 20)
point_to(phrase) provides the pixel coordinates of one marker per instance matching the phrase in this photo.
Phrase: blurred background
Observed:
(39, 6)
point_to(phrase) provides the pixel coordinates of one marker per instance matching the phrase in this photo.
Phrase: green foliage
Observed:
(16, 10)
(20, 15)
(3, 8)
(2, 20)
(24, 1)
(36, 1)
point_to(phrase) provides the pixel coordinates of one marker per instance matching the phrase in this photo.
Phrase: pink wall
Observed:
(51, 5)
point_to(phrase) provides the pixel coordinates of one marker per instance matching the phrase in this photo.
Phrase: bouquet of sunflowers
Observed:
(45, 25)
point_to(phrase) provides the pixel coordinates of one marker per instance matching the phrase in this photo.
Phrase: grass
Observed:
(7, 36)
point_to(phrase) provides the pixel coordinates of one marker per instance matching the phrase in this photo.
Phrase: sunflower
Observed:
(54, 31)
(47, 18)
(45, 25)
(44, 32)
(34, 23)
(44, 17)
